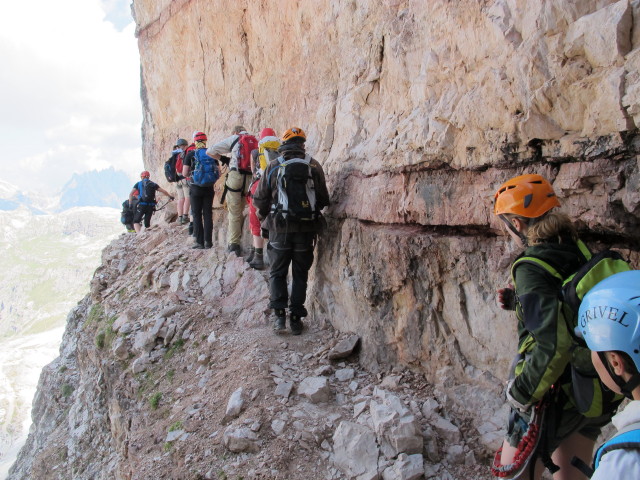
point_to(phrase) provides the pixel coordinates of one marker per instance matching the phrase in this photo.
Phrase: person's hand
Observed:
(507, 298)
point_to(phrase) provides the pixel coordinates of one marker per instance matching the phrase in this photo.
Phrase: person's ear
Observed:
(616, 362)
(517, 223)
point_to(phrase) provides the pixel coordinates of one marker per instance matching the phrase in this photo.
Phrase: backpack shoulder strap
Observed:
(233, 144)
(546, 266)
(626, 439)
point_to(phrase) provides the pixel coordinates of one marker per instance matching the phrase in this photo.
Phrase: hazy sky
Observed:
(69, 90)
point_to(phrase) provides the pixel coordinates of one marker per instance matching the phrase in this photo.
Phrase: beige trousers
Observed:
(236, 201)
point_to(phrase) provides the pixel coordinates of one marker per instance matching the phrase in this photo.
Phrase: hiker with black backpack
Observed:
(128, 211)
(551, 421)
(146, 198)
(173, 172)
(609, 321)
(289, 198)
(203, 172)
(239, 145)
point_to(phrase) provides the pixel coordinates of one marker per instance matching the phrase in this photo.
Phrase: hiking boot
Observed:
(207, 245)
(183, 219)
(190, 228)
(295, 322)
(198, 246)
(252, 251)
(235, 248)
(258, 262)
(280, 321)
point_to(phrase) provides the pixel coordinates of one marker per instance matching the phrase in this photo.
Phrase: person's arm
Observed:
(262, 196)
(549, 354)
(164, 192)
(322, 194)
(221, 148)
(131, 194)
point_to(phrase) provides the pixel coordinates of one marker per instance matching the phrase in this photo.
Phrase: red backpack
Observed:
(248, 143)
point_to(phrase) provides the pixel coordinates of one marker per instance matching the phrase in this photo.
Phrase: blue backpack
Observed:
(628, 439)
(205, 169)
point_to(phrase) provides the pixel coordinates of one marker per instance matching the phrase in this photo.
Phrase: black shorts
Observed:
(143, 211)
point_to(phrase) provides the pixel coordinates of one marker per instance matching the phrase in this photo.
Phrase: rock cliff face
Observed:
(418, 111)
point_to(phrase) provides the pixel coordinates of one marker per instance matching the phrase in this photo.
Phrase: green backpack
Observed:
(590, 396)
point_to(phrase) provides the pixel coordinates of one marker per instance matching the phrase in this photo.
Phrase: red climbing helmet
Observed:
(200, 137)
(145, 174)
(267, 132)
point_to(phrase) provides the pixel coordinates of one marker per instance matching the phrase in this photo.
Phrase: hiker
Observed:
(240, 145)
(260, 157)
(128, 210)
(182, 187)
(541, 385)
(146, 196)
(609, 321)
(203, 173)
(292, 217)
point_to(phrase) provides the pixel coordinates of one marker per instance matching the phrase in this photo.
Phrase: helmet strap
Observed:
(626, 387)
(513, 229)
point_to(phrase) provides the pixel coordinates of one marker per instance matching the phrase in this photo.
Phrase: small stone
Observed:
(284, 389)
(316, 389)
(235, 404)
(455, 455)
(406, 467)
(277, 426)
(345, 374)
(324, 370)
(344, 348)
(174, 435)
(240, 440)
(391, 382)
(211, 338)
(353, 386)
(358, 408)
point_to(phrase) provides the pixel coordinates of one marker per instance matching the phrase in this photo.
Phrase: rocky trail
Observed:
(169, 369)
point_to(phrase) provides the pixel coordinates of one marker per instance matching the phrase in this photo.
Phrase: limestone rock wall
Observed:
(418, 111)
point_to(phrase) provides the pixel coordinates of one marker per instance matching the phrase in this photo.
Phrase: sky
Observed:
(69, 91)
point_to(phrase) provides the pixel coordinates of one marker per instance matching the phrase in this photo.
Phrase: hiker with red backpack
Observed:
(146, 197)
(203, 172)
(289, 198)
(239, 145)
(266, 152)
(551, 420)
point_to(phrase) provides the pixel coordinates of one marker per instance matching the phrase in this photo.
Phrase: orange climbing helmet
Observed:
(529, 196)
(293, 132)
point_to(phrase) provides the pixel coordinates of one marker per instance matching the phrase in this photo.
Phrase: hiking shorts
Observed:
(143, 211)
(560, 423)
(182, 189)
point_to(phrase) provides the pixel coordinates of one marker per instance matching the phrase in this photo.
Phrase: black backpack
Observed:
(296, 191)
(146, 192)
(170, 168)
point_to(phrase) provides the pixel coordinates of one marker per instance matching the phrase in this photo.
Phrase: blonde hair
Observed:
(550, 228)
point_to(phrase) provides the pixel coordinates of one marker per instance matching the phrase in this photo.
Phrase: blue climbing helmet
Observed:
(609, 319)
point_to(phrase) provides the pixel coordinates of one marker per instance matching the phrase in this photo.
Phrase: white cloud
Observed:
(70, 90)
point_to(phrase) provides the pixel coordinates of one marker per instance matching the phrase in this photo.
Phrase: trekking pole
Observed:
(156, 208)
